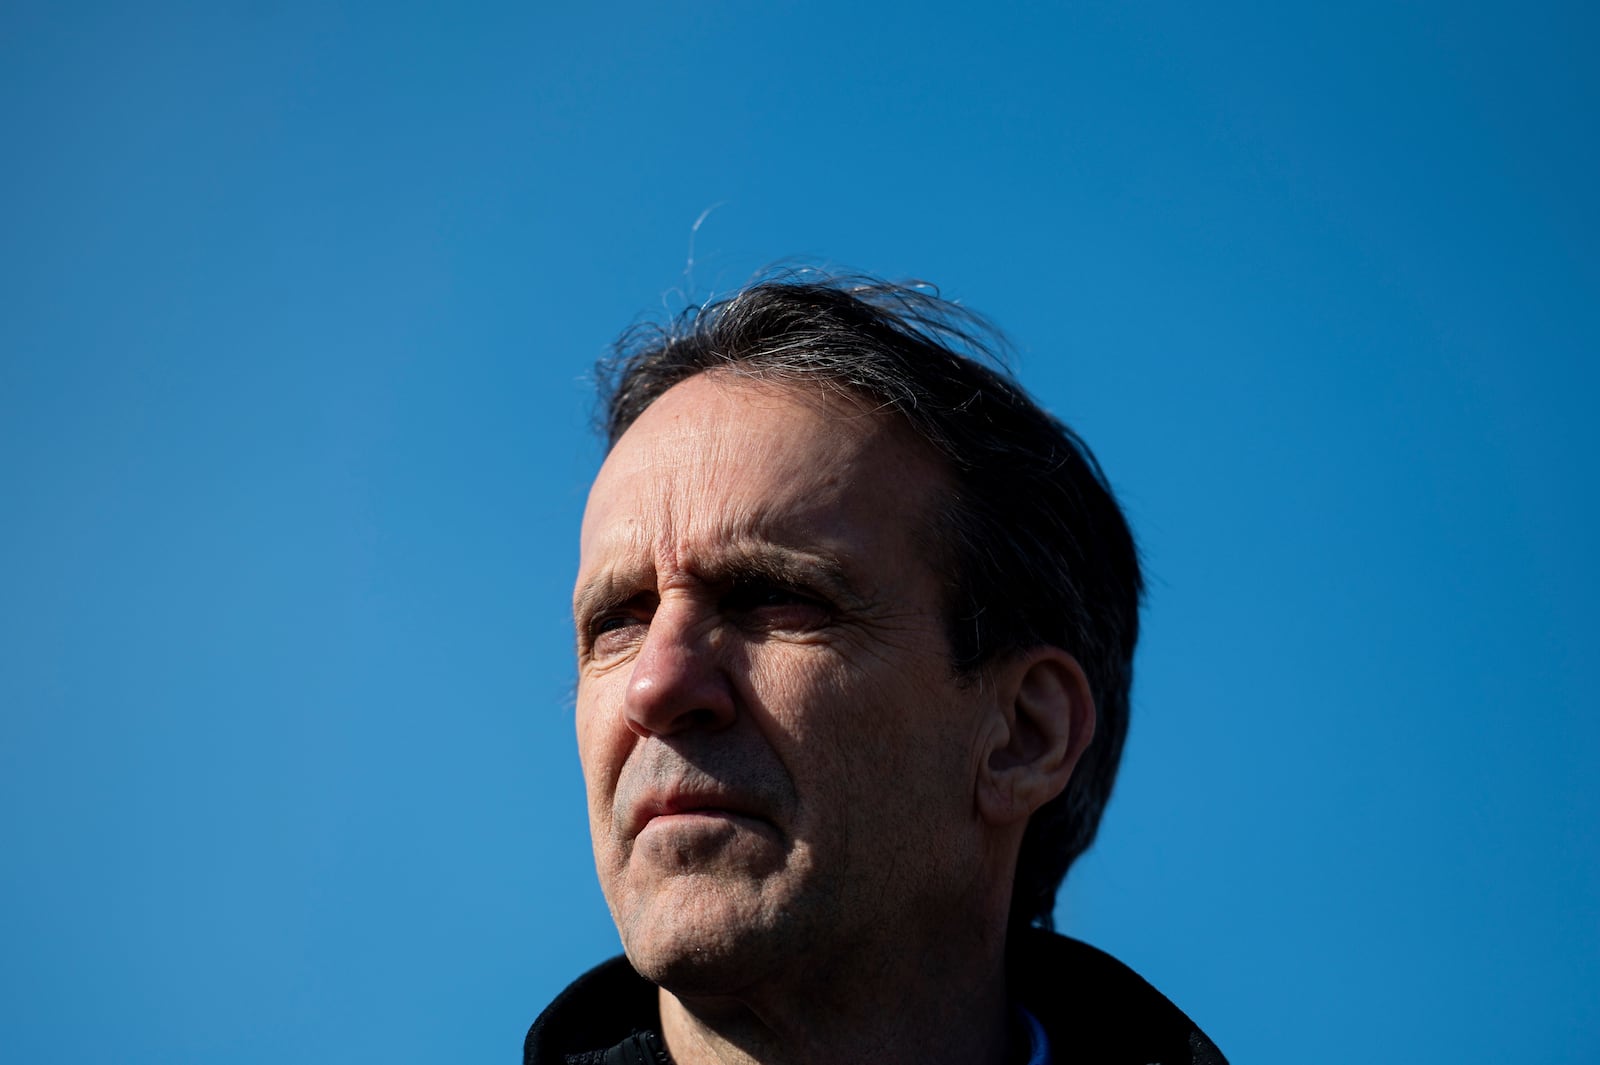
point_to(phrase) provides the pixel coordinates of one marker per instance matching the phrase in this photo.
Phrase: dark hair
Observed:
(1040, 550)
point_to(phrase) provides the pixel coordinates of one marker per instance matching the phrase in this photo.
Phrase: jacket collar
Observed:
(1095, 1010)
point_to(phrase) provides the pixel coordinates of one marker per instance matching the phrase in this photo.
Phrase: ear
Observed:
(1046, 721)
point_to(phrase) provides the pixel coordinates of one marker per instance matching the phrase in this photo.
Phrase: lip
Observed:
(685, 805)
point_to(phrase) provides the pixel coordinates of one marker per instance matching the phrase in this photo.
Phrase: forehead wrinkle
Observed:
(752, 540)
(712, 506)
(673, 498)
(717, 539)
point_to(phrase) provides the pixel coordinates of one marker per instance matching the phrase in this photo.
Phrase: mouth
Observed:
(687, 811)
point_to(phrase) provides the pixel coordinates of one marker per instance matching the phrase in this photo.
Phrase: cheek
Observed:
(603, 742)
(805, 699)
(853, 739)
(911, 754)
(601, 762)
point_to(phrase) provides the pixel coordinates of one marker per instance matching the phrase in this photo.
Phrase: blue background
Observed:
(297, 305)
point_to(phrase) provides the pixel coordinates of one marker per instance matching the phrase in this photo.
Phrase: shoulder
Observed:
(1096, 1009)
(603, 1010)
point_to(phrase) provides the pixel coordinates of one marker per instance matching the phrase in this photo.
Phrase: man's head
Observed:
(847, 591)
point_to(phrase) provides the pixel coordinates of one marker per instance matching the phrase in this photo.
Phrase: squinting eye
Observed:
(770, 596)
(611, 627)
(749, 596)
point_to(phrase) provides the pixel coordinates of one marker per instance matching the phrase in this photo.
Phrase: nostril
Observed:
(703, 718)
(699, 718)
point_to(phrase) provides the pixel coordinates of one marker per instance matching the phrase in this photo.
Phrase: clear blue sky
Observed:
(297, 302)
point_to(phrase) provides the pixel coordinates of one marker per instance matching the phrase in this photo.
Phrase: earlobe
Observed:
(1049, 721)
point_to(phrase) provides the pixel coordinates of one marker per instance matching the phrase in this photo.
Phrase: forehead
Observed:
(722, 460)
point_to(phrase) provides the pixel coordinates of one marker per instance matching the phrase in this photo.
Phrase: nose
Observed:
(679, 681)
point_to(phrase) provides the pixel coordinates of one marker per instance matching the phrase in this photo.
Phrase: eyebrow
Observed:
(782, 566)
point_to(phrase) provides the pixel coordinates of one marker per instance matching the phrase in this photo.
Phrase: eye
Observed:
(613, 629)
(775, 605)
(754, 594)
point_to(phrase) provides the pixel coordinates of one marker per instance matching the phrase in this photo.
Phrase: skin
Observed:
(804, 822)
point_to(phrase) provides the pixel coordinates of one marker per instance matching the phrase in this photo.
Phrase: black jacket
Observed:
(1096, 1011)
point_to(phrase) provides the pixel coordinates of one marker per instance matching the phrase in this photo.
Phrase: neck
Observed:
(936, 1003)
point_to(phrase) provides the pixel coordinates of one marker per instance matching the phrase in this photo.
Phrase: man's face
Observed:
(780, 762)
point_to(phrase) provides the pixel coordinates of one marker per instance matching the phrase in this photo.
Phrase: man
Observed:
(855, 622)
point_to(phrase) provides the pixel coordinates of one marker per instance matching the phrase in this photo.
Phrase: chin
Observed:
(705, 942)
